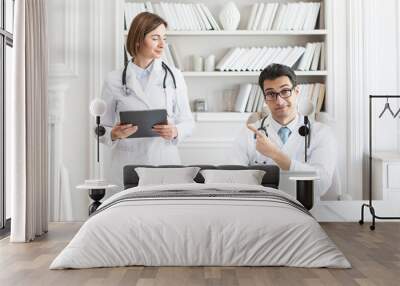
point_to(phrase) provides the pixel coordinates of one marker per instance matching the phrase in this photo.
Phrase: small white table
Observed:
(96, 193)
(305, 189)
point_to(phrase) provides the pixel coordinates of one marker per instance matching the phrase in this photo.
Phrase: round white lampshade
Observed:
(98, 107)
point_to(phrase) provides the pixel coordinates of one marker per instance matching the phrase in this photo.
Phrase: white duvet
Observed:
(200, 231)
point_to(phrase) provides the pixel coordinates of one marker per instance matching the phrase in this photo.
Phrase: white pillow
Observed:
(248, 177)
(164, 176)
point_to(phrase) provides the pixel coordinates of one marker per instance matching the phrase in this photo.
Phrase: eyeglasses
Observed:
(284, 93)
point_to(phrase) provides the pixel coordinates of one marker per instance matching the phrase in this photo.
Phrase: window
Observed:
(6, 44)
(9, 18)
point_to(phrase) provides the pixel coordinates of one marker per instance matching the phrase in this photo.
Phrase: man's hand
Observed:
(121, 131)
(168, 131)
(266, 147)
(263, 144)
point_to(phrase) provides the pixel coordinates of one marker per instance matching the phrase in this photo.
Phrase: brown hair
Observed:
(141, 25)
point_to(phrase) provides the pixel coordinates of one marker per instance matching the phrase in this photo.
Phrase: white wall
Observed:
(71, 33)
(382, 58)
(94, 55)
(372, 67)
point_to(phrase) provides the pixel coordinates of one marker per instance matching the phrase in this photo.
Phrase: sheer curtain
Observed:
(27, 123)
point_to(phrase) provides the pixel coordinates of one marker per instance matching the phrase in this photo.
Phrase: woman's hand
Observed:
(121, 131)
(168, 131)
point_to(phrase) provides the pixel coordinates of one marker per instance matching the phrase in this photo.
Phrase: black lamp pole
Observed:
(305, 138)
(305, 131)
(98, 137)
(100, 131)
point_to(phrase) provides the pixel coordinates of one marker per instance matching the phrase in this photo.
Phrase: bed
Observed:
(201, 224)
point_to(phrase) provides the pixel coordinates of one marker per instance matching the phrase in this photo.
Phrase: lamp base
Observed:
(96, 195)
(305, 193)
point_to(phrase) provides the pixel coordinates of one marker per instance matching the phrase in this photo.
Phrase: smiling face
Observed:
(153, 44)
(283, 110)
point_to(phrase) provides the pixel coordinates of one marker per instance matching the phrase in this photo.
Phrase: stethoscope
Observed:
(262, 127)
(304, 130)
(166, 71)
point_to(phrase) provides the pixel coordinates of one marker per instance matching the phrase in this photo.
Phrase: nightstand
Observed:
(97, 190)
(305, 189)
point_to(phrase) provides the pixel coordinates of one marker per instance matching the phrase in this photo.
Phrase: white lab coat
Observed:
(153, 150)
(322, 154)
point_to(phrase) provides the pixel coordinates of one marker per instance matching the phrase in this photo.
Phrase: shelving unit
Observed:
(244, 33)
(220, 116)
(246, 74)
(235, 117)
(213, 85)
(216, 86)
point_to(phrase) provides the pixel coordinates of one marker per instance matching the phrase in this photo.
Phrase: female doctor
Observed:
(145, 83)
(277, 139)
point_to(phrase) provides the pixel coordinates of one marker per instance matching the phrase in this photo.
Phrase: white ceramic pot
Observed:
(229, 16)
(209, 63)
(198, 63)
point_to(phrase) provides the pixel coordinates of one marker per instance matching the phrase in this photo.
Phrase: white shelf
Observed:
(239, 117)
(245, 33)
(221, 116)
(250, 74)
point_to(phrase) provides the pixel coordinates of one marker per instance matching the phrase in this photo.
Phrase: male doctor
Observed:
(281, 143)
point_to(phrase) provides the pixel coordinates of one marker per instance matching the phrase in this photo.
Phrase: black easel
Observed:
(369, 205)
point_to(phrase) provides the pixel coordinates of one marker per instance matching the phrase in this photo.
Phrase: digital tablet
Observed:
(144, 120)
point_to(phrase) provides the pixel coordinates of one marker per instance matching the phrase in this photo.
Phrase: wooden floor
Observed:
(374, 255)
